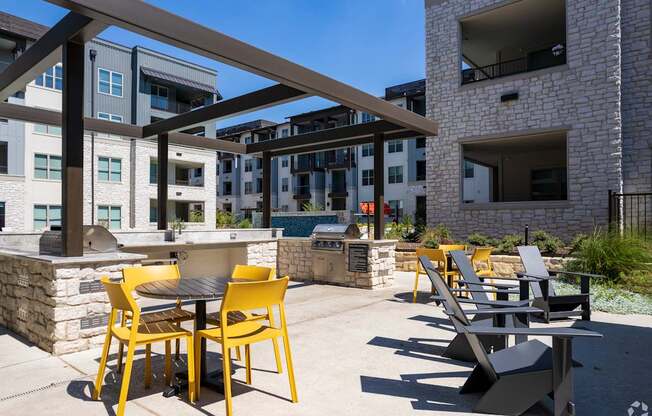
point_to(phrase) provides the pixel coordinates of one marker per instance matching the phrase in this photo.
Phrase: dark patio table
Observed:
(198, 290)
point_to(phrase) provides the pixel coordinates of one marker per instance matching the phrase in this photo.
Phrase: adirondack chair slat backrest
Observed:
(468, 274)
(533, 264)
(458, 318)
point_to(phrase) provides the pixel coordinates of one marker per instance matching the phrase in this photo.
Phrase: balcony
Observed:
(302, 192)
(340, 159)
(307, 163)
(545, 58)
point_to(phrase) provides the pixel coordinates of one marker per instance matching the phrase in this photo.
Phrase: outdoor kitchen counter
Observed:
(190, 245)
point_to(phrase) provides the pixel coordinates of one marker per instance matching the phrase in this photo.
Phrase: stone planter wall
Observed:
(295, 259)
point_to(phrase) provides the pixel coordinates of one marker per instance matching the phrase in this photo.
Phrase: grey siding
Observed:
(13, 132)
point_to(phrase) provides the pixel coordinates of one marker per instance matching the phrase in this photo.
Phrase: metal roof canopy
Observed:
(88, 18)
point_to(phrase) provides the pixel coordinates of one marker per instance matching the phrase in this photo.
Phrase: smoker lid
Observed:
(344, 230)
(99, 239)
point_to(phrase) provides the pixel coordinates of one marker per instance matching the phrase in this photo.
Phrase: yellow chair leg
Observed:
(277, 352)
(131, 349)
(416, 286)
(168, 362)
(148, 365)
(100, 371)
(197, 349)
(288, 361)
(226, 368)
(238, 356)
(248, 362)
(191, 369)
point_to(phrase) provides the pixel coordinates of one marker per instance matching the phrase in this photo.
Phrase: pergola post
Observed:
(72, 150)
(267, 190)
(379, 186)
(162, 182)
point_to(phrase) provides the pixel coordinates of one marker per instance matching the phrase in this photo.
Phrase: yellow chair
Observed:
(482, 256)
(253, 274)
(246, 296)
(434, 255)
(139, 333)
(451, 247)
(134, 276)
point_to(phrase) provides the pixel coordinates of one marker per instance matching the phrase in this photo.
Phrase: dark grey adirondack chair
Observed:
(512, 380)
(554, 306)
(459, 348)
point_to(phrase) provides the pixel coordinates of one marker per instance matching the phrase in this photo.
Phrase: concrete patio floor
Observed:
(356, 352)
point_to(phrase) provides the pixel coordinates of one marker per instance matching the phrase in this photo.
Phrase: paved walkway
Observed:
(356, 352)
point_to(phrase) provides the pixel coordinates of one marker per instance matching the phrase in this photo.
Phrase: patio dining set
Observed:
(513, 378)
(246, 316)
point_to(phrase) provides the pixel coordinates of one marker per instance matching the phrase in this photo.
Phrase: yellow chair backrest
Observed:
(481, 254)
(246, 296)
(451, 247)
(253, 273)
(433, 254)
(119, 295)
(134, 276)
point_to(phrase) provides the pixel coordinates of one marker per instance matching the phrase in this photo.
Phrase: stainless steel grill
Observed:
(330, 250)
(97, 239)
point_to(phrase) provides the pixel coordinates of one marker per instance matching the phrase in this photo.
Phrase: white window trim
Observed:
(110, 117)
(110, 82)
(48, 179)
(97, 209)
(54, 78)
(389, 175)
(48, 218)
(110, 159)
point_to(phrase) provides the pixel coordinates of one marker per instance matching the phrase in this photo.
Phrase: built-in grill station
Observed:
(97, 239)
(331, 247)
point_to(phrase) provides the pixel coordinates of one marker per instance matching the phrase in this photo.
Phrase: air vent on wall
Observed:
(512, 96)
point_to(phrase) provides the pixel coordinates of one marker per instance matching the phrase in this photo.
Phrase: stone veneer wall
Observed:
(584, 96)
(42, 302)
(12, 193)
(295, 260)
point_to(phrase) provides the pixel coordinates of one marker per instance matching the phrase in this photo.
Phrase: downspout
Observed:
(92, 54)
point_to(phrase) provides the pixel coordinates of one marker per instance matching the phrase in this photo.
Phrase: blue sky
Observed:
(369, 44)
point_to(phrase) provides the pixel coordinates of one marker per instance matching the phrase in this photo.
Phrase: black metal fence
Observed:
(631, 212)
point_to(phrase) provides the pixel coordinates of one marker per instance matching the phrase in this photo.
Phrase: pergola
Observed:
(64, 43)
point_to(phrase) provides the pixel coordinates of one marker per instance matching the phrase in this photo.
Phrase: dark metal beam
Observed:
(162, 183)
(72, 150)
(256, 100)
(46, 52)
(379, 186)
(156, 23)
(207, 143)
(267, 190)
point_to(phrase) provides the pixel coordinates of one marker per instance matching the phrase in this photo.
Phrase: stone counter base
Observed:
(295, 259)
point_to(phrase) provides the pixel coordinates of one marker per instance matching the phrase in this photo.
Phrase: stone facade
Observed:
(12, 193)
(582, 97)
(295, 259)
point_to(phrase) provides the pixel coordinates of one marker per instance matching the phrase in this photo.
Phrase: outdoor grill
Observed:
(330, 237)
(330, 250)
(97, 239)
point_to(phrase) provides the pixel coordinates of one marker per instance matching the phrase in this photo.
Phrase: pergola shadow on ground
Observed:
(87, 18)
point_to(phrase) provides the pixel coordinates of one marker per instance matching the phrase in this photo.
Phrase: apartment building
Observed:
(124, 85)
(335, 180)
(544, 104)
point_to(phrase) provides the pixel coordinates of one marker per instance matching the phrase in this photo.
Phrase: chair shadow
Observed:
(407, 297)
(421, 348)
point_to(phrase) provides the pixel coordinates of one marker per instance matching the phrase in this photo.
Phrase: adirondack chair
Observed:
(554, 306)
(512, 380)
(459, 348)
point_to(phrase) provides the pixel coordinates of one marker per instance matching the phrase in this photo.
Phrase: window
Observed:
(153, 210)
(397, 208)
(52, 78)
(421, 170)
(284, 162)
(284, 185)
(248, 165)
(468, 170)
(227, 166)
(395, 174)
(549, 184)
(249, 140)
(47, 167)
(394, 146)
(259, 185)
(46, 216)
(110, 216)
(367, 118)
(110, 170)
(2, 215)
(421, 142)
(285, 132)
(159, 97)
(153, 172)
(367, 150)
(51, 130)
(259, 163)
(109, 117)
(4, 157)
(248, 188)
(109, 82)
(367, 177)
(226, 188)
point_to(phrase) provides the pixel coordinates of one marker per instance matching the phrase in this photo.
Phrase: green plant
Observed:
(196, 216)
(481, 240)
(224, 219)
(546, 242)
(614, 256)
(310, 207)
(245, 223)
(509, 243)
(178, 225)
(432, 237)
(402, 230)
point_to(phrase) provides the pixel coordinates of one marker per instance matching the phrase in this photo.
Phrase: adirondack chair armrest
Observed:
(494, 303)
(496, 285)
(500, 311)
(533, 277)
(592, 275)
(484, 291)
(545, 332)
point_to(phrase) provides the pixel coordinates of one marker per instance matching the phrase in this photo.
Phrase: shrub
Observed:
(433, 237)
(196, 216)
(245, 223)
(224, 219)
(509, 243)
(546, 242)
(310, 207)
(481, 240)
(402, 230)
(612, 255)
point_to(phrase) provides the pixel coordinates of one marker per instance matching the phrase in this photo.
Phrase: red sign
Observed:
(368, 208)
